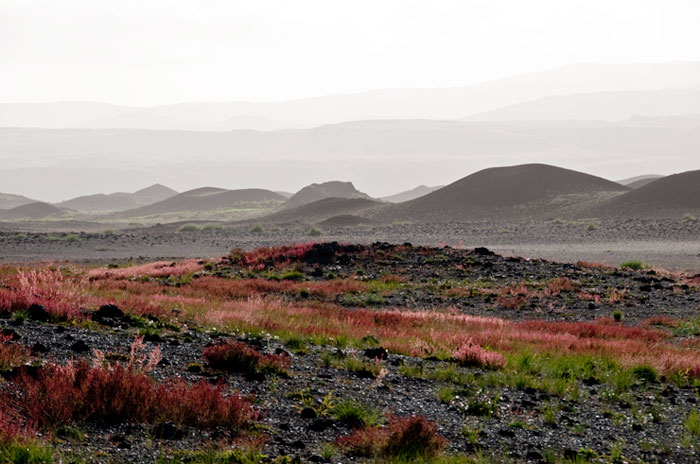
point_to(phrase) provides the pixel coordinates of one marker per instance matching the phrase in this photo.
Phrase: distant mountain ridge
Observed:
(118, 201)
(315, 192)
(9, 200)
(403, 103)
(206, 199)
(32, 211)
(412, 194)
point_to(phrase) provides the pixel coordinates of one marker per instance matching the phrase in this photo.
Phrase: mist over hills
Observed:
(603, 106)
(46, 164)
(438, 103)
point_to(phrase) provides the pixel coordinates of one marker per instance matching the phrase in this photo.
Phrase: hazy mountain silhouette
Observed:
(206, 199)
(36, 210)
(315, 192)
(412, 151)
(412, 194)
(438, 103)
(604, 106)
(639, 181)
(530, 190)
(668, 197)
(119, 201)
(315, 212)
(8, 200)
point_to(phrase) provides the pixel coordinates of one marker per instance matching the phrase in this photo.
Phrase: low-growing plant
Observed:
(257, 229)
(633, 265)
(189, 228)
(408, 439)
(240, 357)
(12, 354)
(314, 232)
(472, 355)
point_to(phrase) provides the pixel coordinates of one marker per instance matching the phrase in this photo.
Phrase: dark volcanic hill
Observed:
(119, 201)
(8, 200)
(668, 197)
(316, 192)
(322, 210)
(206, 199)
(35, 210)
(529, 190)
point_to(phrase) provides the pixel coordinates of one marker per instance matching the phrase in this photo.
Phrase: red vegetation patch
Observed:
(156, 269)
(405, 438)
(60, 395)
(60, 295)
(471, 355)
(237, 356)
(561, 284)
(208, 287)
(278, 257)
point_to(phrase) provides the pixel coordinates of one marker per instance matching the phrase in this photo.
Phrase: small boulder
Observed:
(37, 312)
(80, 347)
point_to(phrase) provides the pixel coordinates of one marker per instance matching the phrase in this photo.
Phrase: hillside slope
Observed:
(525, 191)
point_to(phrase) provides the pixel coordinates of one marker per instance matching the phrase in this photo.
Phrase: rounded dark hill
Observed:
(206, 199)
(529, 190)
(668, 197)
(316, 192)
(321, 210)
(36, 210)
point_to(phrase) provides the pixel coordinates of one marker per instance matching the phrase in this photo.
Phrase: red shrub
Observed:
(405, 438)
(237, 356)
(155, 269)
(63, 394)
(472, 355)
(562, 284)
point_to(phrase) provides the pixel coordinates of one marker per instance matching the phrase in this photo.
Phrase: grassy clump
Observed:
(257, 229)
(634, 265)
(315, 232)
(356, 414)
(189, 228)
(22, 451)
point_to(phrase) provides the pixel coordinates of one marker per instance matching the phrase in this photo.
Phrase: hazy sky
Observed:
(149, 52)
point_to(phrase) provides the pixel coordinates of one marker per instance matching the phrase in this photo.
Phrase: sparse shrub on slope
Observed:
(403, 438)
(60, 395)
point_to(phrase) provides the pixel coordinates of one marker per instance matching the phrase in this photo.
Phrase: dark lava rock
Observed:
(108, 311)
(320, 424)
(298, 444)
(39, 348)
(482, 251)
(167, 431)
(376, 353)
(36, 312)
(10, 334)
(80, 347)
(308, 413)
